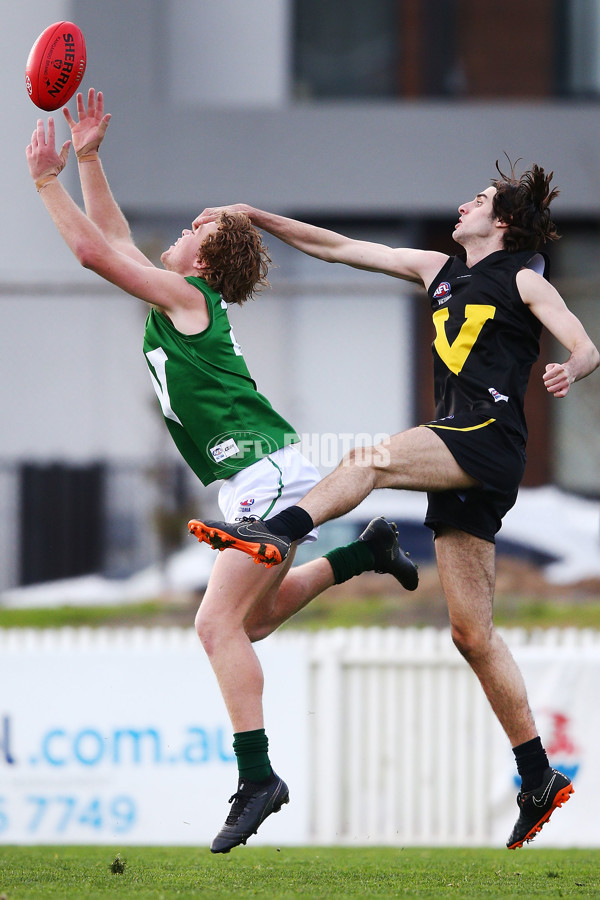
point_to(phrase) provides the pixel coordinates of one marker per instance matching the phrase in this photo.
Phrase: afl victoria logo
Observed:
(442, 290)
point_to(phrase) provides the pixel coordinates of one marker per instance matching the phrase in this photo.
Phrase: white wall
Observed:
(231, 54)
(75, 384)
(30, 248)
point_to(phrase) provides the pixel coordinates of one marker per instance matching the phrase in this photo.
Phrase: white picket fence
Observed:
(400, 751)
(402, 745)
(384, 735)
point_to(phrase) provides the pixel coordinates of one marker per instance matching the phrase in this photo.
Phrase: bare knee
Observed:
(353, 457)
(203, 628)
(371, 460)
(471, 640)
(212, 632)
(215, 632)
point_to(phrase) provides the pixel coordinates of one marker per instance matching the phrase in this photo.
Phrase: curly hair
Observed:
(523, 204)
(237, 261)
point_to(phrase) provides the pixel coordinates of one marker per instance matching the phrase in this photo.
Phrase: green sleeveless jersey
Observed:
(217, 418)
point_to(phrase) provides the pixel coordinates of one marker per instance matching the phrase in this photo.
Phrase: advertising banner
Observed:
(109, 737)
(561, 685)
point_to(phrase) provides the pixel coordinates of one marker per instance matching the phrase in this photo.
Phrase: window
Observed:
(347, 49)
(445, 48)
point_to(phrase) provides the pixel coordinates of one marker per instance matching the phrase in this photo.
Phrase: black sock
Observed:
(532, 762)
(293, 522)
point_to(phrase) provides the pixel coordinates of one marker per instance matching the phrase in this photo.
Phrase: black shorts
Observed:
(489, 452)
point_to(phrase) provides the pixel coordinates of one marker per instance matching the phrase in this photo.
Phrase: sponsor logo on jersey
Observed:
(497, 395)
(246, 503)
(231, 448)
(224, 450)
(442, 292)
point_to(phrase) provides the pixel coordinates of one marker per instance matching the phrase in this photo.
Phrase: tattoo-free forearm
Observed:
(583, 360)
(310, 239)
(100, 205)
(82, 236)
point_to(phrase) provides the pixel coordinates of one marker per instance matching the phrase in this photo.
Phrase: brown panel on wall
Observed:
(410, 61)
(506, 49)
(471, 48)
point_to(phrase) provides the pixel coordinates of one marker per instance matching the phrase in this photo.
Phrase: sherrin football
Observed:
(55, 65)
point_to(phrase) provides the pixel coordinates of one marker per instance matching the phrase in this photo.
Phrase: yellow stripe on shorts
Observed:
(452, 428)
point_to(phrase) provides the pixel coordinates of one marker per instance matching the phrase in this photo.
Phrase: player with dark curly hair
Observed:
(224, 429)
(523, 204)
(489, 305)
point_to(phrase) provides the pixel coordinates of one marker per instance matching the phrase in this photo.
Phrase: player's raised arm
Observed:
(87, 133)
(165, 289)
(549, 307)
(411, 265)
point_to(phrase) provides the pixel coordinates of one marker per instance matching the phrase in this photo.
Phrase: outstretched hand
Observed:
(42, 156)
(88, 133)
(212, 213)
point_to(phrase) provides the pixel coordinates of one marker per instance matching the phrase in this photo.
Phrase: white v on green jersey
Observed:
(217, 418)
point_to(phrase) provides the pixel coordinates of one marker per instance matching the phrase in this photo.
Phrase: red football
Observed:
(55, 65)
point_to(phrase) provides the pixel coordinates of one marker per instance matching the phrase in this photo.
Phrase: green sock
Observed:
(250, 748)
(351, 560)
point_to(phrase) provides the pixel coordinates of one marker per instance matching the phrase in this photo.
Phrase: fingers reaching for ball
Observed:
(42, 157)
(90, 127)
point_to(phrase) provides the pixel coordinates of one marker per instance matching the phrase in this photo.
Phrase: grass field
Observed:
(151, 873)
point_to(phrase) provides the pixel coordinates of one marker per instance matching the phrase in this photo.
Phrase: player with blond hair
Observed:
(223, 427)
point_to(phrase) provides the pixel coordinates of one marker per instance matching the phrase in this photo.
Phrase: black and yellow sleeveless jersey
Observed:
(487, 339)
